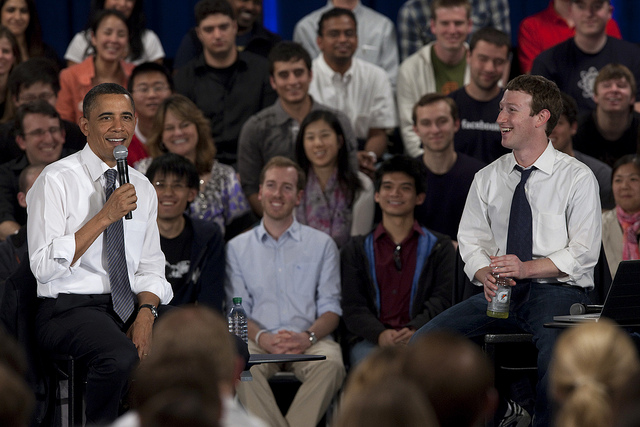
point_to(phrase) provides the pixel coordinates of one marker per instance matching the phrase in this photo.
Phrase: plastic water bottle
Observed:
(499, 305)
(238, 319)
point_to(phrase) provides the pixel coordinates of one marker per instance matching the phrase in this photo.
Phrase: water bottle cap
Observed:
(237, 300)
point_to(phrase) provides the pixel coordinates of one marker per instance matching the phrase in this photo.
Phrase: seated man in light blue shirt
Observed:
(288, 276)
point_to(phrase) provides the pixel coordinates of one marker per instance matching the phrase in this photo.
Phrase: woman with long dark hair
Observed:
(144, 44)
(337, 199)
(21, 18)
(9, 57)
(109, 35)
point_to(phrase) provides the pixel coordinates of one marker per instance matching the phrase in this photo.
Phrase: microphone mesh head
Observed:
(120, 152)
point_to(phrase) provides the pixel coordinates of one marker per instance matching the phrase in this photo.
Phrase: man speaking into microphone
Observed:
(101, 277)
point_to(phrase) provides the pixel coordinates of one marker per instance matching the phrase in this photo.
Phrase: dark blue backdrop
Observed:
(171, 19)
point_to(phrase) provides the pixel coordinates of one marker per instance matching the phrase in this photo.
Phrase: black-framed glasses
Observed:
(396, 258)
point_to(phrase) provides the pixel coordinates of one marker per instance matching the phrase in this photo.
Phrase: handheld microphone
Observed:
(120, 153)
(579, 308)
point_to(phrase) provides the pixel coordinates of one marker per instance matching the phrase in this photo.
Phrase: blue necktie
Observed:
(121, 295)
(519, 237)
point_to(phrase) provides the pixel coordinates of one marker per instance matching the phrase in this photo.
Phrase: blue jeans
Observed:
(360, 351)
(470, 318)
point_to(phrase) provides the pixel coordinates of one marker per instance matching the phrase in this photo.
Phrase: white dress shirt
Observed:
(66, 195)
(377, 41)
(565, 206)
(363, 93)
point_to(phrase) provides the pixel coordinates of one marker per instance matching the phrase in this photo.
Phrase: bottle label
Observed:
(500, 303)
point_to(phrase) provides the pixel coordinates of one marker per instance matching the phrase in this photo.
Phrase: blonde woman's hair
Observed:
(184, 109)
(590, 364)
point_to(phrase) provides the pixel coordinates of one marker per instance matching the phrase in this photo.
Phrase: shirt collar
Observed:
(293, 232)
(94, 164)
(543, 163)
(334, 75)
(381, 231)
(281, 116)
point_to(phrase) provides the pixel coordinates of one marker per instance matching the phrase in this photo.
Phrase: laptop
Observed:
(622, 303)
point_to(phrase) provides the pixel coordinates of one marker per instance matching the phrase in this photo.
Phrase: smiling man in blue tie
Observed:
(100, 278)
(532, 216)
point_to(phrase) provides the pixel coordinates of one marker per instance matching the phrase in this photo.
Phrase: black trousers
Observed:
(86, 327)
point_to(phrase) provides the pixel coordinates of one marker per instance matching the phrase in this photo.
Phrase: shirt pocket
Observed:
(549, 232)
(304, 283)
(134, 232)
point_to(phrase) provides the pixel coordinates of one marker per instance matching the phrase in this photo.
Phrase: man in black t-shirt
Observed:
(449, 173)
(193, 248)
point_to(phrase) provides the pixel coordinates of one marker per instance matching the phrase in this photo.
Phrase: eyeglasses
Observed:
(163, 186)
(54, 130)
(396, 257)
(144, 89)
(46, 96)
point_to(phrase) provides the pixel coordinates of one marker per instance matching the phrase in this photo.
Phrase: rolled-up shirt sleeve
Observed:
(584, 231)
(52, 246)
(66, 195)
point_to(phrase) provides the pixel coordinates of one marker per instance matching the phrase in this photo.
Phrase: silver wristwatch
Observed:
(312, 337)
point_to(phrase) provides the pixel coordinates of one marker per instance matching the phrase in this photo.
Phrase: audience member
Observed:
(479, 134)
(621, 226)
(227, 85)
(574, 64)
(449, 173)
(193, 336)
(109, 312)
(41, 136)
(21, 18)
(16, 399)
(252, 35)
(14, 248)
(400, 275)
(626, 411)
(456, 377)
(357, 88)
(554, 266)
(562, 139)
(179, 127)
(389, 402)
(193, 248)
(547, 28)
(337, 198)
(289, 279)
(143, 46)
(589, 367)
(12, 354)
(32, 80)
(414, 16)
(377, 41)
(149, 84)
(10, 57)
(611, 131)
(109, 35)
(181, 405)
(440, 66)
(273, 131)
(382, 362)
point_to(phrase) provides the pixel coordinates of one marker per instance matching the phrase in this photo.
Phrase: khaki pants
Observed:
(321, 380)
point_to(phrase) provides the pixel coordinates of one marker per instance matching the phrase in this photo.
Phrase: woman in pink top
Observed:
(110, 39)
